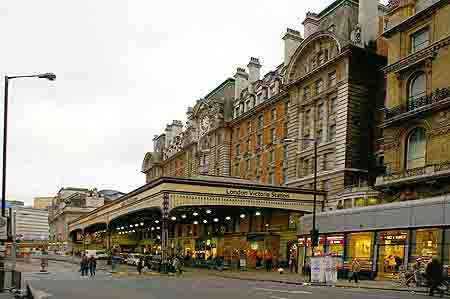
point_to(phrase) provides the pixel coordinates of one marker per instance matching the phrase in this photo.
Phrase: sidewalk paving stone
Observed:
(293, 278)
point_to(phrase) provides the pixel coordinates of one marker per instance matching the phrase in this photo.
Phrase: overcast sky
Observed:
(124, 69)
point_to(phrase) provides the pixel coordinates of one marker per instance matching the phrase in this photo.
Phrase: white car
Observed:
(133, 259)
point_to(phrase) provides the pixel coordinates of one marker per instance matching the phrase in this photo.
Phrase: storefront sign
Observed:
(269, 194)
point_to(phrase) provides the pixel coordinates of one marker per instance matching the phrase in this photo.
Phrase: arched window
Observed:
(417, 86)
(416, 148)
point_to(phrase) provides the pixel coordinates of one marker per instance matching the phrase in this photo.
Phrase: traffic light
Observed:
(314, 237)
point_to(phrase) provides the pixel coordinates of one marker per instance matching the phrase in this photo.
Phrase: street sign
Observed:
(3, 228)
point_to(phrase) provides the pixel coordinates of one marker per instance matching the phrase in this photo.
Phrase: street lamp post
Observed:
(314, 233)
(48, 76)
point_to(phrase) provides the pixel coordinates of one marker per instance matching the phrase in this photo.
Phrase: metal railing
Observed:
(418, 102)
(435, 167)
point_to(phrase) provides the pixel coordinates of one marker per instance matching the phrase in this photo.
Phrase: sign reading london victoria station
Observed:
(251, 193)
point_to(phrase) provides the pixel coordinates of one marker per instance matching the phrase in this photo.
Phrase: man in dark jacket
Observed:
(434, 274)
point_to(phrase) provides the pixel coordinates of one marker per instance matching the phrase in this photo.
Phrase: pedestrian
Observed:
(434, 273)
(140, 265)
(416, 272)
(92, 265)
(177, 265)
(83, 265)
(355, 268)
(269, 261)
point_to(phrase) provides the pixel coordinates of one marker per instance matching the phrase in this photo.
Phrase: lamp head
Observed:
(48, 76)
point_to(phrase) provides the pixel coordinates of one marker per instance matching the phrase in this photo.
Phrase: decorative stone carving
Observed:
(355, 35)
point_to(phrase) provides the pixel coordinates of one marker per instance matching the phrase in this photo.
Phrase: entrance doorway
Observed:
(391, 253)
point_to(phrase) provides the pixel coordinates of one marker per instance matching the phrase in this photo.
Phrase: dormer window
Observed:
(247, 105)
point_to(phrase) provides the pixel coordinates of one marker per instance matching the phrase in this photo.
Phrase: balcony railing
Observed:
(414, 104)
(430, 170)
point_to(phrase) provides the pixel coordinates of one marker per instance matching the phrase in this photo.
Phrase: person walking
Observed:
(356, 267)
(434, 273)
(83, 265)
(92, 265)
(269, 261)
(140, 265)
(177, 266)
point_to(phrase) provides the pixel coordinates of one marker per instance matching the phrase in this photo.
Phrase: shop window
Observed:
(371, 201)
(249, 127)
(335, 245)
(427, 242)
(416, 148)
(420, 40)
(360, 202)
(417, 86)
(360, 247)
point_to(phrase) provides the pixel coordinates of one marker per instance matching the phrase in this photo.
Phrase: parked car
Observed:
(102, 255)
(124, 257)
(133, 259)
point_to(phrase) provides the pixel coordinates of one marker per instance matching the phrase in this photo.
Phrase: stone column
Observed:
(164, 232)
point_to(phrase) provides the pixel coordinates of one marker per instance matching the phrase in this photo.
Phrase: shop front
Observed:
(386, 238)
(391, 252)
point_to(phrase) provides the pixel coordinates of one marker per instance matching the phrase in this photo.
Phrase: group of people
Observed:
(88, 265)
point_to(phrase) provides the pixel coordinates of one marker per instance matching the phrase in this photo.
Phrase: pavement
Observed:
(297, 279)
(192, 286)
(63, 281)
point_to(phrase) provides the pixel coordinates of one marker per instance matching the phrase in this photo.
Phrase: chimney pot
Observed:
(254, 69)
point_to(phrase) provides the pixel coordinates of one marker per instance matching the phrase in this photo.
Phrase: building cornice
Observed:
(429, 52)
(427, 12)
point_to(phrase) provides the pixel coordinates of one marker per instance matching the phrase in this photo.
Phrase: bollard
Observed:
(44, 264)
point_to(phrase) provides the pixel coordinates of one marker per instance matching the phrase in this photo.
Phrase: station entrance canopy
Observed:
(169, 193)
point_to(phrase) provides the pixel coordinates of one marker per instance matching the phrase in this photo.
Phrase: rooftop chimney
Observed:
(241, 82)
(311, 23)
(292, 40)
(368, 20)
(254, 70)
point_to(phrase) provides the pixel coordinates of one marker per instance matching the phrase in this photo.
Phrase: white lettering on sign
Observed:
(270, 194)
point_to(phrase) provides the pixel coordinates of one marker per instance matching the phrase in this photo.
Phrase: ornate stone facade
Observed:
(334, 87)
(417, 101)
(200, 146)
